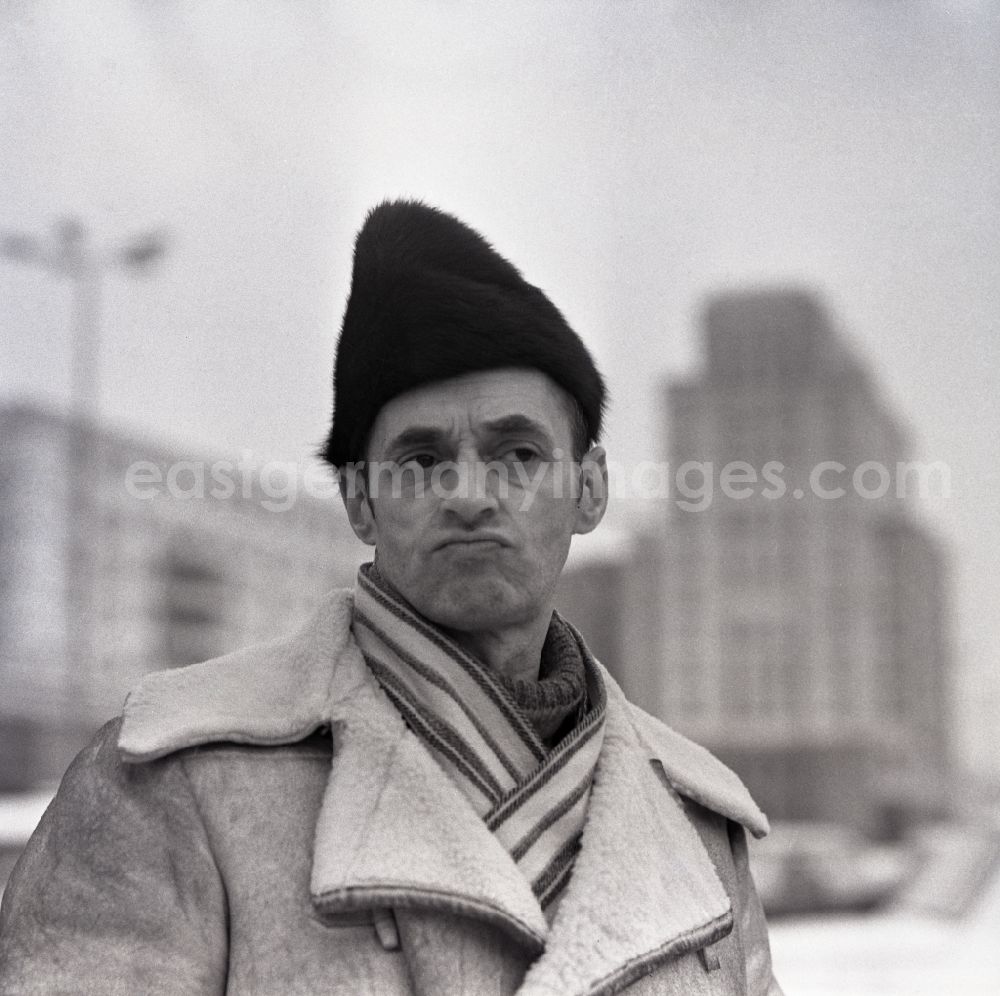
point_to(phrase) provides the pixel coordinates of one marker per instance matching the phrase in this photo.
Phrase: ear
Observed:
(354, 492)
(592, 496)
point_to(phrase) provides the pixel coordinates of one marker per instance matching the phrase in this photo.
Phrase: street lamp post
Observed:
(71, 254)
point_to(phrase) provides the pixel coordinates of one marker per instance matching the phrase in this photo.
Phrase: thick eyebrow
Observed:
(427, 435)
(518, 425)
(415, 435)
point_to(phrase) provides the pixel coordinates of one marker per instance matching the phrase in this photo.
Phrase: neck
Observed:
(514, 654)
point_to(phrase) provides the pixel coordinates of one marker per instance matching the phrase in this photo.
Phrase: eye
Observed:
(522, 453)
(422, 460)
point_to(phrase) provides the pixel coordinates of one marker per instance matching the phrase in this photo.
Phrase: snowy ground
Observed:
(900, 955)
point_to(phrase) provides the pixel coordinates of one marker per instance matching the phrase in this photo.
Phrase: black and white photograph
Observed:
(499, 499)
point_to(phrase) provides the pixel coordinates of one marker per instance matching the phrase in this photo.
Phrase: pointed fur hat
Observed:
(431, 299)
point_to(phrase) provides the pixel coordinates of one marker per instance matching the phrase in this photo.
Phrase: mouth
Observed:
(472, 544)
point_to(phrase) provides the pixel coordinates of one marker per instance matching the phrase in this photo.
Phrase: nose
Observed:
(468, 491)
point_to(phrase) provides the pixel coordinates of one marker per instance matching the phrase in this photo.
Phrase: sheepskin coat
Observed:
(266, 824)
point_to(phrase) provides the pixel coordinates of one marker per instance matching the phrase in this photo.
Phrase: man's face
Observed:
(473, 496)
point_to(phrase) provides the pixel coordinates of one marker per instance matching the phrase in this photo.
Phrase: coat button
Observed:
(709, 957)
(385, 928)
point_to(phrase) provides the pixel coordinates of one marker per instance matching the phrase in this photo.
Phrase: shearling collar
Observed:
(393, 830)
(281, 691)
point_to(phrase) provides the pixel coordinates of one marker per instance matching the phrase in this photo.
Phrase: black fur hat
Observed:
(431, 299)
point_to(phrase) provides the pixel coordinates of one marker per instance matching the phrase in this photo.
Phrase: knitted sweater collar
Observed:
(557, 699)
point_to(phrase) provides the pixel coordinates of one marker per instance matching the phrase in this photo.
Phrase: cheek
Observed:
(549, 534)
(398, 528)
(553, 516)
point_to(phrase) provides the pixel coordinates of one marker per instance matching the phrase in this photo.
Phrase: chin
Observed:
(470, 607)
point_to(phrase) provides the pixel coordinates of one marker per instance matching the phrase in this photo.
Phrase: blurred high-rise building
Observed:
(805, 622)
(610, 591)
(119, 556)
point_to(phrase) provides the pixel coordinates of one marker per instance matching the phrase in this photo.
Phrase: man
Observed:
(432, 787)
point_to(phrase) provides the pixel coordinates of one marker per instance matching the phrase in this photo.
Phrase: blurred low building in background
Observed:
(119, 556)
(806, 635)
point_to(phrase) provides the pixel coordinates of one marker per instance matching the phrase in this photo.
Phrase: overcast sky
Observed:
(629, 157)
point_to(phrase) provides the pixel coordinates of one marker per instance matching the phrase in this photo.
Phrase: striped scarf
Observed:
(533, 799)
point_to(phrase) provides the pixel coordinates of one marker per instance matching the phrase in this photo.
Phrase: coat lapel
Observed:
(394, 831)
(643, 889)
